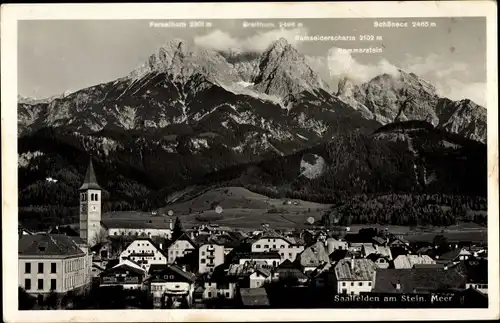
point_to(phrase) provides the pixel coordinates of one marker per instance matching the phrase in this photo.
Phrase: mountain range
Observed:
(189, 112)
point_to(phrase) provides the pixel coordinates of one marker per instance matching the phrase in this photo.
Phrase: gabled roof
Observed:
(158, 270)
(476, 270)
(90, 181)
(263, 271)
(453, 254)
(415, 280)
(378, 240)
(157, 247)
(408, 261)
(126, 265)
(40, 245)
(254, 297)
(259, 255)
(314, 255)
(186, 237)
(355, 269)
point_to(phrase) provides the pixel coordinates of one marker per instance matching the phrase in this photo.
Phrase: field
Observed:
(242, 209)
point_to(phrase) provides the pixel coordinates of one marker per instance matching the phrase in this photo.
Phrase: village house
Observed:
(313, 256)
(52, 263)
(271, 259)
(259, 277)
(288, 271)
(409, 261)
(476, 271)
(253, 298)
(144, 252)
(353, 276)
(170, 284)
(454, 256)
(270, 241)
(219, 286)
(210, 256)
(369, 248)
(119, 227)
(379, 260)
(211, 229)
(333, 244)
(418, 280)
(181, 247)
(128, 274)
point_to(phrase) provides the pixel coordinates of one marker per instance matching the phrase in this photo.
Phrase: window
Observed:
(27, 268)
(97, 197)
(40, 284)
(209, 294)
(369, 283)
(274, 246)
(53, 284)
(343, 284)
(203, 253)
(352, 293)
(290, 255)
(344, 291)
(266, 246)
(257, 246)
(40, 267)
(282, 246)
(202, 260)
(27, 284)
(360, 283)
(352, 284)
(227, 294)
(53, 268)
(282, 254)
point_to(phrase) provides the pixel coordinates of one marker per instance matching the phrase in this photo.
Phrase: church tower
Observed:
(90, 207)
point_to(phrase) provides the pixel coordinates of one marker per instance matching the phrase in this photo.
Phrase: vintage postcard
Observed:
(250, 161)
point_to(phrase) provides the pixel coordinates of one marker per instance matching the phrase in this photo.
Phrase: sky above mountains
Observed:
(56, 56)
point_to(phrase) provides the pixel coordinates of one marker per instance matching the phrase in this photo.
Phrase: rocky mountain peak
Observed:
(283, 72)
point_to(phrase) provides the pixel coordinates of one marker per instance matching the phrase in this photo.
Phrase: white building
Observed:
(274, 243)
(259, 277)
(119, 227)
(270, 259)
(170, 283)
(180, 247)
(52, 263)
(209, 257)
(353, 276)
(144, 252)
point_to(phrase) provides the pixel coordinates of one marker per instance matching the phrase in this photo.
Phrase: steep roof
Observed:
(259, 255)
(254, 297)
(186, 237)
(408, 261)
(90, 181)
(314, 255)
(355, 269)
(417, 280)
(53, 245)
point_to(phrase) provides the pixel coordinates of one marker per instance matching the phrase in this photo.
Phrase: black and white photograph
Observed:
(207, 163)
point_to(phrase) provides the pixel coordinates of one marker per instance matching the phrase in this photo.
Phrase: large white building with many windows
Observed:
(52, 263)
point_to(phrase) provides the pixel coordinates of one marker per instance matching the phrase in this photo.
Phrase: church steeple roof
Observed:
(90, 181)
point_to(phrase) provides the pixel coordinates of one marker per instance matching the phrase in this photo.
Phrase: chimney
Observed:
(445, 267)
(161, 246)
(398, 286)
(352, 264)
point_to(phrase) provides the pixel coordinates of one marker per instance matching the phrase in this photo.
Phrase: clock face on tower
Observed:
(94, 208)
(83, 208)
